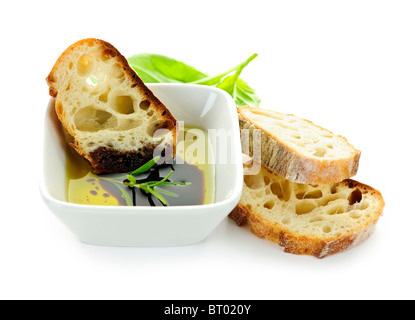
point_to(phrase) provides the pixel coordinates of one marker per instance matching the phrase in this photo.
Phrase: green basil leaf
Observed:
(245, 95)
(155, 68)
(242, 93)
(229, 85)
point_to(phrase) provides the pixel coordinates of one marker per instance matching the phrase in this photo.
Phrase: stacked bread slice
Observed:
(302, 197)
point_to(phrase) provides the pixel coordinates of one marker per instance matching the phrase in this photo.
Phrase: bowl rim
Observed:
(234, 197)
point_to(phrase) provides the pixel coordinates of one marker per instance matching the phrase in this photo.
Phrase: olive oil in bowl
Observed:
(191, 165)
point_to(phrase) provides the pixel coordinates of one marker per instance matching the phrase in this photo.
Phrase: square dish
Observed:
(210, 109)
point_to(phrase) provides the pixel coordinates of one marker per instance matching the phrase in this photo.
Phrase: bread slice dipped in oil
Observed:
(115, 122)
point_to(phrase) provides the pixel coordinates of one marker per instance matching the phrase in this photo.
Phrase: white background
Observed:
(346, 65)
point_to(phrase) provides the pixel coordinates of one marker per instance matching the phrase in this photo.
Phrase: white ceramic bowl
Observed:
(201, 106)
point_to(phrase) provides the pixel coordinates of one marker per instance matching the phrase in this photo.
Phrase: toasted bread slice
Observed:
(111, 116)
(297, 149)
(316, 220)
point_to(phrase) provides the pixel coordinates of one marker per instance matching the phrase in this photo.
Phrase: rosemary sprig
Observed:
(149, 187)
(145, 167)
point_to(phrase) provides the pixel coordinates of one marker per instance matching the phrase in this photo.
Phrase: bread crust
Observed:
(299, 244)
(121, 161)
(103, 158)
(287, 162)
